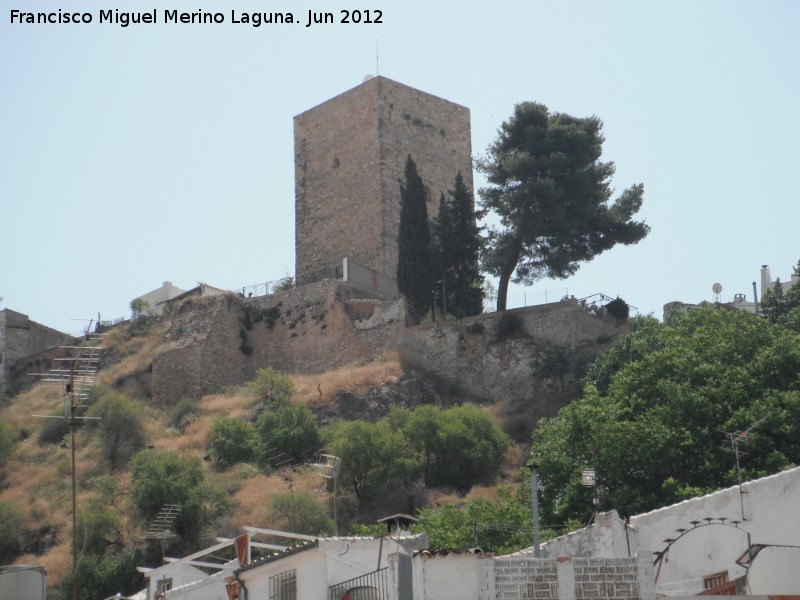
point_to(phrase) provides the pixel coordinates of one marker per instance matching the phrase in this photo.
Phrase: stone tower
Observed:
(350, 154)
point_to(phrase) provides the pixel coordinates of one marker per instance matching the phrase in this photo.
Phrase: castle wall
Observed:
(490, 356)
(337, 184)
(437, 135)
(19, 338)
(350, 155)
(225, 340)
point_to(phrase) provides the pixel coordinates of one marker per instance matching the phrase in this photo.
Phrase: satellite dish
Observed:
(716, 288)
(367, 77)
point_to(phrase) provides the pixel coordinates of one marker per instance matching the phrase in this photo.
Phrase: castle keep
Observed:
(350, 152)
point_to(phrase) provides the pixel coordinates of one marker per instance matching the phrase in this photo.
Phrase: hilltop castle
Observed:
(350, 152)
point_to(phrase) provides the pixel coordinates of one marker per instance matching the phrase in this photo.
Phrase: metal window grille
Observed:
(372, 586)
(283, 586)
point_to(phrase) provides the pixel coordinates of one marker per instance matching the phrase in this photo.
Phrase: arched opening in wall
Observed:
(336, 163)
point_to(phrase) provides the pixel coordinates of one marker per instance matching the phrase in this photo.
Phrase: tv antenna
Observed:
(161, 527)
(328, 466)
(736, 438)
(76, 380)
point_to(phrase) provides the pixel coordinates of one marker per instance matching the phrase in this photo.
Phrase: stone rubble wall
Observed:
(473, 356)
(224, 340)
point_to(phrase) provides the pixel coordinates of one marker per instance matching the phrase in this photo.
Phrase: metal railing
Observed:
(372, 586)
(267, 288)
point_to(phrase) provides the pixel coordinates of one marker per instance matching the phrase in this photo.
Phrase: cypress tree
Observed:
(458, 243)
(442, 246)
(414, 274)
(467, 279)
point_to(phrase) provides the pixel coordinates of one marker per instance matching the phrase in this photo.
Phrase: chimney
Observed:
(399, 525)
(766, 279)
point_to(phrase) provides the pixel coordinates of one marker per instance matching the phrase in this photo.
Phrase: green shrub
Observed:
(53, 430)
(183, 413)
(619, 309)
(232, 440)
(508, 325)
(272, 387)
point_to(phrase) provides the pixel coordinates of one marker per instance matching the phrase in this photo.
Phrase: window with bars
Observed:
(283, 586)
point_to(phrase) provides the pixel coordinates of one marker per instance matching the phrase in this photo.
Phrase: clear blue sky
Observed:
(131, 156)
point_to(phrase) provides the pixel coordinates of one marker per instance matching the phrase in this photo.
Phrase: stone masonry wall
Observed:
(473, 356)
(19, 338)
(437, 135)
(225, 340)
(337, 183)
(350, 154)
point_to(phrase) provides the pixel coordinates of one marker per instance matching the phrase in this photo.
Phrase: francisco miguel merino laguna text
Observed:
(198, 17)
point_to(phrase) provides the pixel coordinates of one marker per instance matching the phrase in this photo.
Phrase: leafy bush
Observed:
(476, 327)
(11, 523)
(284, 284)
(618, 309)
(288, 436)
(105, 577)
(183, 413)
(509, 324)
(272, 387)
(6, 441)
(162, 477)
(458, 447)
(232, 440)
(300, 512)
(119, 430)
(53, 430)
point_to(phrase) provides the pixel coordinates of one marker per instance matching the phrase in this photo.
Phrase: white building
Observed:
(767, 283)
(154, 298)
(732, 541)
(397, 566)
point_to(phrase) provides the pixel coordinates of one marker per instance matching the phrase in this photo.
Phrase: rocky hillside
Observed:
(141, 361)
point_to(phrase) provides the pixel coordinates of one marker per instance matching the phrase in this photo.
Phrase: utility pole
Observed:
(77, 379)
(535, 506)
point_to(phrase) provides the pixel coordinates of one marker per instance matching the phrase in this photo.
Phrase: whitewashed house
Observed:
(732, 542)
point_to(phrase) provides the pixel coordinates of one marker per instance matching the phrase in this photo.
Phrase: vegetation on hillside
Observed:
(229, 460)
(657, 412)
(652, 420)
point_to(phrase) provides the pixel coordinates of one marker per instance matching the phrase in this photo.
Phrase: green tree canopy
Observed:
(414, 269)
(100, 577)
(162, 477)
(272, 387)
(371, 455)
(550, 191)
(287, 436)
(232, 440)
(458, 447)
(653, 413)
(12, 522)
(6, 441)
(299, 512)
(119, 430)
(501, 526)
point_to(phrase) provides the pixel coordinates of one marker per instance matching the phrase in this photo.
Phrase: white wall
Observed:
(23, 582)
(776, 571)
(439, 577)
(166, 292)
(770, 510)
